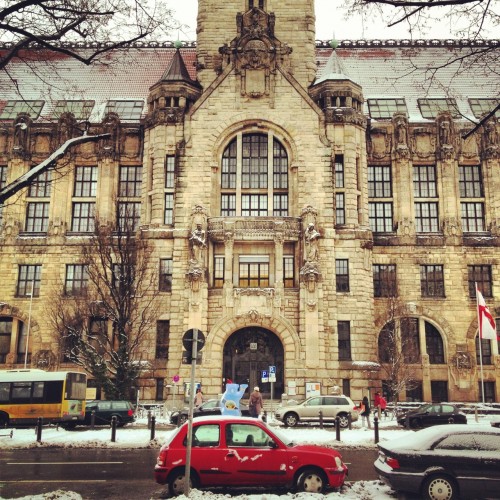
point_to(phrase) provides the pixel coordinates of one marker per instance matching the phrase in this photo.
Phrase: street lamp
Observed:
(29, 323)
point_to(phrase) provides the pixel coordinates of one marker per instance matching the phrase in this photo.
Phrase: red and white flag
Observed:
(487, 327)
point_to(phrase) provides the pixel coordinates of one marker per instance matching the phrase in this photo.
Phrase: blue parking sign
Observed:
(265, 377)
(272, 374)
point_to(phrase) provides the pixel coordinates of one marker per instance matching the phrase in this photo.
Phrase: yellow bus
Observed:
(57, 397)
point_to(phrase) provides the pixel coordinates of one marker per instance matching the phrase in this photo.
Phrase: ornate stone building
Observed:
(291, 192)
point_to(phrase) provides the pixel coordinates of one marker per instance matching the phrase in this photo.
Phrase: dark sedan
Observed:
(433, 414)
(443, 462)
(104, 411)
(208, 408)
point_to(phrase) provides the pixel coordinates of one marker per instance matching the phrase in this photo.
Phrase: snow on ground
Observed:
(138, 436)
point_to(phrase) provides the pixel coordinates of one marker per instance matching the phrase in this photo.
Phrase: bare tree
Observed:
(102, 326)
(68, 26)
(398, 349)
(472, 20)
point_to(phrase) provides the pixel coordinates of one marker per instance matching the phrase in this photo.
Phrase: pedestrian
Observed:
(365, 412)
(198, 397)
(383, 406)
(377, 402)
(255, 402)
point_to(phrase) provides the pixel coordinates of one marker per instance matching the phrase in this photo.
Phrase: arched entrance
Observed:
(248, 352)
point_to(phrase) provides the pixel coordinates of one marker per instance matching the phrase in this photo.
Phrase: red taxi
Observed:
(239, 451)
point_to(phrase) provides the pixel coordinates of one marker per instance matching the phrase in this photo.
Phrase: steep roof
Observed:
(384, 69)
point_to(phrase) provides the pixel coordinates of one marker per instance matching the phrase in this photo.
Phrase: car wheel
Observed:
(69, 426)
(181, 419)
(440, 488)
(343, 421)
(291, 419)
(311, 481)
(451, 420)
(176, 482)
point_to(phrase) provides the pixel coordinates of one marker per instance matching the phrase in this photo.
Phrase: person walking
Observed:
(377, 402)
(255, 403)
(365, 412)
(198, 397)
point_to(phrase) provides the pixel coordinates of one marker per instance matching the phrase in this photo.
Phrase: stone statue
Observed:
(311, 237)
(198, 244)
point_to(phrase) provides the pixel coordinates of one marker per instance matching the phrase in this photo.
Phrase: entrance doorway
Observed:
(247, 353)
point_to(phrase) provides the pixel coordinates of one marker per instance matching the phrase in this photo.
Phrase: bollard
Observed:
(349, 420)
(153, 424)
(337, 428)
(149, 419)
(113, 429)
(39, 422)
(264, 417)
(92, 420)
(320, 419)
(407, 421)
(375, 425)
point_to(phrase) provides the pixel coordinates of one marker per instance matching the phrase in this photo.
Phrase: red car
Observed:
(240, 451)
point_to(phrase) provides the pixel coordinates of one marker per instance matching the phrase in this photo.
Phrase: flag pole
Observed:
(480, 343)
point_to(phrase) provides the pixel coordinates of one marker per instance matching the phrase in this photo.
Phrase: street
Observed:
(110, 474)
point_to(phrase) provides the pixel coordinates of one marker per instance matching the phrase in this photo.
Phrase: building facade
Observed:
(293, 194)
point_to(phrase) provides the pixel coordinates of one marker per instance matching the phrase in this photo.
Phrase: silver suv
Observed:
(308, 411)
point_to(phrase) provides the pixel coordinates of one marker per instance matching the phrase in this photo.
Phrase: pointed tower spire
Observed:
(177, 71)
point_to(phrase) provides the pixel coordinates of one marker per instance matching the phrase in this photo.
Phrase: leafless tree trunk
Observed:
(102, 326)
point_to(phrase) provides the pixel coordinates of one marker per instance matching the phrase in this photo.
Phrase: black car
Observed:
(106, 410)
(433, 414)
(443, 462)
(210, 407)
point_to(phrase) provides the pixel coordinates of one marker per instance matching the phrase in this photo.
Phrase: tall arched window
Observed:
(434, 345)
(254, 177)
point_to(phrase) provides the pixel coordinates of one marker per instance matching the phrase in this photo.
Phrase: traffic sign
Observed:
(272, 374)
(265, 377)
(187, 340)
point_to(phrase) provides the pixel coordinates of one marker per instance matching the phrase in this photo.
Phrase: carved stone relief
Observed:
(490, 141)
(423, 142)
(400, 126)
(446, 136)
(379, 143)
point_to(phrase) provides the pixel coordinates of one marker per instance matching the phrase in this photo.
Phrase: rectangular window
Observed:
(344, 332)
(40, 187)
(85, 182)
(83, 219)
(380, 215)
(288, 271)
(410, 343)
(80, 109)
(129, 215)
(219, 264)
(280, 166)
(342, 275)
(424, 181)
(426, 217)
(254, 272)
(439, 391)
(489, 391)
(170, 172)
(470, 181)
(130, 181)
(346, 387)
(481, 107)
(5, 336)
(379, 181)
(126, 110)
(432, 281)
(472, 217)
(485, 351)
(160, 389)
(166, 267)
(28, 280)
(22, 337)
(429, 108)
(37, 217)
(385, 108)
(339, 171)
(77, 279)
(384, 280)
(162, 339)
(254, 205)
(229, 162)
(13, 108)
(280, 205)
(254, 162)
(228, 205)
(169, 209)
(339, 208)
(482, 276)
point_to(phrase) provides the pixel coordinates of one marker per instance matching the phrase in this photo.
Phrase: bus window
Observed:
(76, 386)
(4, 391)
(37, 395)
(21, 392)
(53, 391)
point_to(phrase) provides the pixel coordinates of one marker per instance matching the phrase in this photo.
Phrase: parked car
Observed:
(433, 414)
(245, 452)
(106, 410)
(443, 462)
(210, 407)
(308, 411)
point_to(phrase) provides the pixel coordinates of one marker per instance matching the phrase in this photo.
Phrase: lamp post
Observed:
(29, 323)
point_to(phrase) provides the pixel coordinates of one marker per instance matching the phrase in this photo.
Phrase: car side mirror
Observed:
(272, 444)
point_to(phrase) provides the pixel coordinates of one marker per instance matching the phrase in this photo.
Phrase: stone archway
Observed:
(249, 351)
